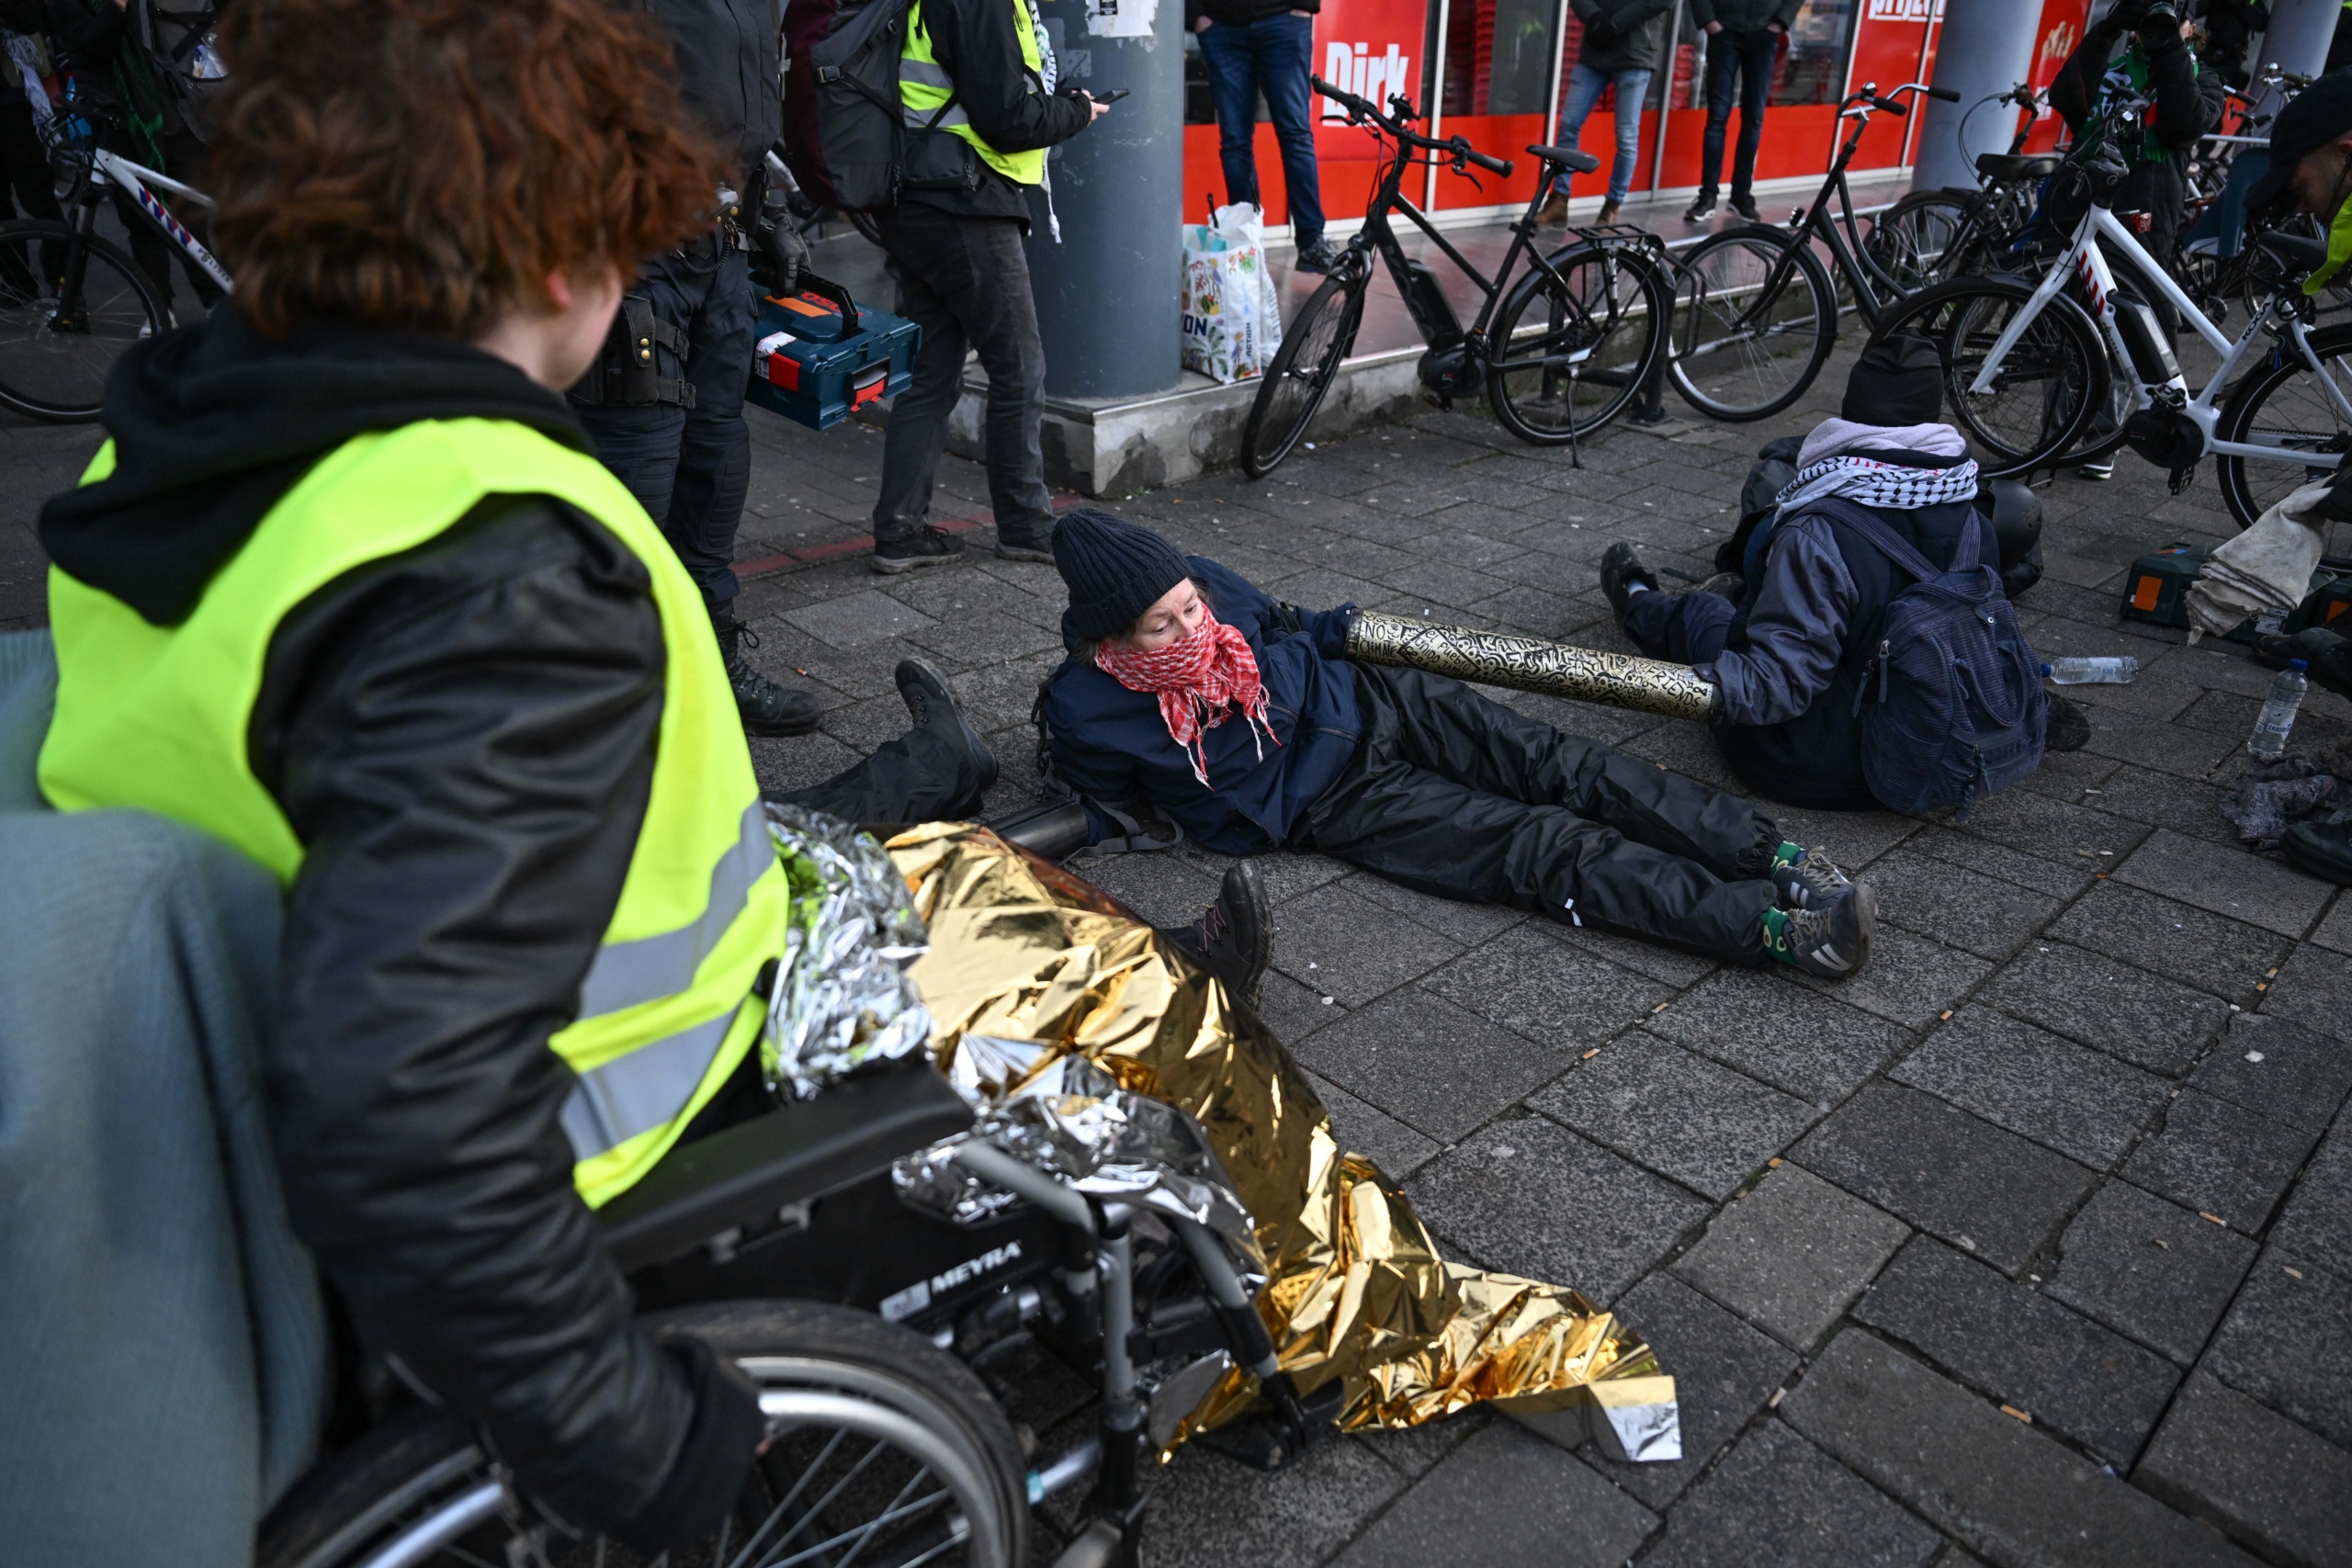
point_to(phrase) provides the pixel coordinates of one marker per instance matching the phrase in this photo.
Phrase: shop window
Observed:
(1499, 56)
(1660, 87)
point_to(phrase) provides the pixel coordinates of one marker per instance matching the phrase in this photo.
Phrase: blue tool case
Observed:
(818, 358)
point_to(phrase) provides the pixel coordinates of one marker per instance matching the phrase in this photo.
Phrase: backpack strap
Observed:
(1894, 545)
(1137, 834)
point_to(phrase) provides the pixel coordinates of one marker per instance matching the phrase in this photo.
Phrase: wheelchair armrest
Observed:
(743, 1174)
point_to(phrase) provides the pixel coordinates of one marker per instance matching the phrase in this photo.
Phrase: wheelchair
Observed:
(885, 1341)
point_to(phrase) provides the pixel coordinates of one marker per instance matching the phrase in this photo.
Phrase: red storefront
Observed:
(1497, 74)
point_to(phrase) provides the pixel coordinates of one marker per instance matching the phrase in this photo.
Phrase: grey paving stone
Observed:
(1505, 1496)
(1771, 1028)
(2220, 1158)
(2021, 1348)
(1413, 1449)
(1792, 1254)
(2149, 1269)
(2301, 1079)
(1554, 994)
(1852, 838)
(1365, 1130)
(1428, 1063)
(1532, 1197)
(1956, 906)
(2145, 1018)
(2285, 1342)
(856, 620)
(1208, 1512)
(2334, 931)
(2079, 1101)
(2266, 1482)
(2008, 1492)
(2314, 989)
(1987, 1191)
(2050, 829)
(1160, 889)
(1682, 1115)
(1910, 980)
(2162, 800)
(1676, 968)
(1357, 949)
(2226, 879)
(1778, 1500)
(1723, 1371)
(2317, 1222)
(1468, 924)
(2071, 776)
(2155, 743)
(1293, 1011)
(2223, 956)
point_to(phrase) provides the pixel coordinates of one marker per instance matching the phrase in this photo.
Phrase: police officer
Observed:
(665, 402)
(976, 85)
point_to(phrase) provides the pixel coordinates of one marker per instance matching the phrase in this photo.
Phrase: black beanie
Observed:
(1117, 569)
(1898, 380)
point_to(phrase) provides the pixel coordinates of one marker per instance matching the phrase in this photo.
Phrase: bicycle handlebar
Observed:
(1458, 148)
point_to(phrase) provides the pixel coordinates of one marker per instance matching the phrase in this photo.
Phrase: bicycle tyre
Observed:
(1911, 241)
(1576, 347)
(56, 376)
(2247, 496)
(419, 1489)
(1722, 358)
(1293, 387)
(2062, 353)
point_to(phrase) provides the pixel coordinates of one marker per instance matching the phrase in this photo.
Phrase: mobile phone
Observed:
(1113, 96)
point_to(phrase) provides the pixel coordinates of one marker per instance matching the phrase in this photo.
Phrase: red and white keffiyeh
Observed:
(1198, 680)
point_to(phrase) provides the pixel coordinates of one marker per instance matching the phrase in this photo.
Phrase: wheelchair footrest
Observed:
(1263, 1440)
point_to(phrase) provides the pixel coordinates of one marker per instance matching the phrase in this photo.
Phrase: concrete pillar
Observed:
(2300, 32)
(1107, 293)
(1986, 48)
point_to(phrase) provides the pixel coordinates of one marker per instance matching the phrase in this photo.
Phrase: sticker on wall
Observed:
(1120, 19)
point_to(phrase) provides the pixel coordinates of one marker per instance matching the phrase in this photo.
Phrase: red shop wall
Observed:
(1889, 37)
(2062, 22)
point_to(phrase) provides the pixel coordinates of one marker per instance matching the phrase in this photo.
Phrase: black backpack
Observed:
(841, 112)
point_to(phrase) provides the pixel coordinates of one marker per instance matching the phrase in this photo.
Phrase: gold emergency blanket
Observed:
(1531, 664)
(1023, 950)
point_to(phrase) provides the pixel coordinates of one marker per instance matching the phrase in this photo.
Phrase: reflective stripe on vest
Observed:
(926, 94)
(158, 719)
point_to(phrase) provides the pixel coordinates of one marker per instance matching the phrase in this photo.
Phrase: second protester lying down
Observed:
(1191, 694)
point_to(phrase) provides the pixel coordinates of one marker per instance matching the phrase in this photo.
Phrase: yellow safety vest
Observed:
(2339, 243)
(157, 717)
(924, 89)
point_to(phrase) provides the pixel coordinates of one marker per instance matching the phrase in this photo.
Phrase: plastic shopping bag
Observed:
(1231, 318)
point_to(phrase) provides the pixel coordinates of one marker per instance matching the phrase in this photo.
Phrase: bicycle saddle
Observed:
(1577, 163)
(2296, 253)
(2016, 165)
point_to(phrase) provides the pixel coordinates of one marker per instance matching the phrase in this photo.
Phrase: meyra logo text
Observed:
(917, 1296)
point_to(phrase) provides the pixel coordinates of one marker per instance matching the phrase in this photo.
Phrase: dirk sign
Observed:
(1370, 48)
(1355, 68)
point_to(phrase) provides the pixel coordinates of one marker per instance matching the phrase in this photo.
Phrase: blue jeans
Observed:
(1746, 58)
(1585, 83)
(1275, 56)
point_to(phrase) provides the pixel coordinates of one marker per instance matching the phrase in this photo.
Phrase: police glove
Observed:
(786, 255)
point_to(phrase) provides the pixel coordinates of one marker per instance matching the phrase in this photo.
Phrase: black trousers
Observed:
(1456, 796)
(24, 167)
(916, 778)
(965, 281)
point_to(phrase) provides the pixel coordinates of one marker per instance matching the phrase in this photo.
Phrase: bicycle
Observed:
(2029, 370)
(1558, 354)
(1754, 300)
(72, 300)
(1930, 235)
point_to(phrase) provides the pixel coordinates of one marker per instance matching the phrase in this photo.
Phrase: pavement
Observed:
(2030, 1245)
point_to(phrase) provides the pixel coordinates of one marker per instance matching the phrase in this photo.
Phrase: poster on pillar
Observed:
(1894, 43)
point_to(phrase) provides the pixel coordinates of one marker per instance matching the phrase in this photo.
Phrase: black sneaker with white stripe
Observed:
(1834, 939)
(1809, 882)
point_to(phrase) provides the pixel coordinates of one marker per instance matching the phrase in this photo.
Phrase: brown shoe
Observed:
(1607, 213)
(1553, 212)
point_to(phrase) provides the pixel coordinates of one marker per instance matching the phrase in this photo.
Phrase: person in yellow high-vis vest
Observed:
(348, 590)
(976, 87)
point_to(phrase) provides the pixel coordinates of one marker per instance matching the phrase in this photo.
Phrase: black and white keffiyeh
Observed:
(1871, 482)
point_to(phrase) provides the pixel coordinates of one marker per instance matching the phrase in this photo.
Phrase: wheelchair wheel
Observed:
(883, 1449)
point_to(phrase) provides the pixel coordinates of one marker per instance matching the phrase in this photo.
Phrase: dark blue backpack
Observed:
(1951, 700)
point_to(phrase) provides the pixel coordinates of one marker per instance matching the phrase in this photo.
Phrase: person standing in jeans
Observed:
(1620, 45)
(1743, 43)
(1267, 46)
(976, 85)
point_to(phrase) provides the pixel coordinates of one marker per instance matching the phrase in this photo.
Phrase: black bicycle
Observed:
(1558, 354)
(1756, 311)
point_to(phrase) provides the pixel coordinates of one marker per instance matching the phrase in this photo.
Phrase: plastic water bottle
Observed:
(2276, 720)
(2109, 671)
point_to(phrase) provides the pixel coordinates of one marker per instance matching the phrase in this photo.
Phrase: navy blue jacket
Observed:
(1111, 744)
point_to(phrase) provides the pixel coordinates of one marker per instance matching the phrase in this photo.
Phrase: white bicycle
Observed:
(72, 300)
(2068, 370)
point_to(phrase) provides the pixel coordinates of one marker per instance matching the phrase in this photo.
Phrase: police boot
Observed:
(1234, 938)
(766, 708)
(933, 707)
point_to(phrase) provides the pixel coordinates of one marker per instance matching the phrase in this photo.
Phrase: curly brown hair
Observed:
(423, 165)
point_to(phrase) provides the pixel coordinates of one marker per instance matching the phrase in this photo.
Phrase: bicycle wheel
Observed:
(1912, 239)
(2285, 406)
(1570, 356)
(1314, 343)
(882, 1449)
(55, 351)
(2048, 387)
(1753, 321)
